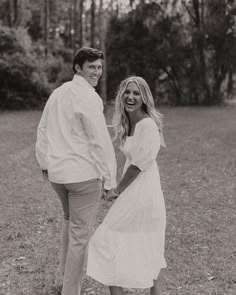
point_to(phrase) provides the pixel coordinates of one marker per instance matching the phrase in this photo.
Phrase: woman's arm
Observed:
(130, 175)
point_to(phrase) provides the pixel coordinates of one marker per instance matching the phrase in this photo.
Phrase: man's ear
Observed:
(77, 68)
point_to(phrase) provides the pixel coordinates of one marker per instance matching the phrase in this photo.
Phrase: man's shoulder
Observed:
(88, 94)
(61, 87)
(79, 94)
(57, 92)
(64, 85)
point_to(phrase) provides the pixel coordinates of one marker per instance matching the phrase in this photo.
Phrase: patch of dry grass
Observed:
(198, 176)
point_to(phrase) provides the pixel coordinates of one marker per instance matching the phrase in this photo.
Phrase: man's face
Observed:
(91, 71)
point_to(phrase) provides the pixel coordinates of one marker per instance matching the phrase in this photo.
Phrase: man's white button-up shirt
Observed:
(73, 142)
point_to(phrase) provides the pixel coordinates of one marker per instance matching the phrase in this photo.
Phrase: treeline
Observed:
(186, 50)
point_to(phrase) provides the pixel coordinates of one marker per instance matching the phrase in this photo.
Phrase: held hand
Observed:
(104, 194)
(45, 174)
(112, 195)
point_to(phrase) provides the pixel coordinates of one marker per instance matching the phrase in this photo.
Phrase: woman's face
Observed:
(132, 98)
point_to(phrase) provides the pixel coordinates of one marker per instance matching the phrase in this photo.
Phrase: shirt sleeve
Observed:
(147, 144)
(102, 150)
(41, 146)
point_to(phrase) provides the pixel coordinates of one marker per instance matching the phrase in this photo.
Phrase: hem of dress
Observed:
(126, 286)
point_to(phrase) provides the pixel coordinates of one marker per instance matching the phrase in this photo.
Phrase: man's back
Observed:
(69, 147)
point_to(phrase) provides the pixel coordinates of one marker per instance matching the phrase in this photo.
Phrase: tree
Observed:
(102, 35)
(192, 47)
(213, 44)
(93, 8)
(46, 24)
(15, 13)
(81, 26)
(24, 82)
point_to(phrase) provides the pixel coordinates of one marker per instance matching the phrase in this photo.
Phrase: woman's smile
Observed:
(130, 102)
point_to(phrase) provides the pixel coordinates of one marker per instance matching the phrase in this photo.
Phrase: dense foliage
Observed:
(186, 59)
(27, 77)
(186, 50)
(24, 83)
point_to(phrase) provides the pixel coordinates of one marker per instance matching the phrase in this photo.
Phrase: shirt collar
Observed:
(82, 82)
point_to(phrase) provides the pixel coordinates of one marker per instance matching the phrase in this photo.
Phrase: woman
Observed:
(127, 249)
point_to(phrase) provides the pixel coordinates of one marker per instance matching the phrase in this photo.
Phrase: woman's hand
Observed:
(110, 195)
(45, 174)
(104, 193)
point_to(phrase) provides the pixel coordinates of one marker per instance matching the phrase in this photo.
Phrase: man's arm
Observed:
(102, 149)
(41, 146)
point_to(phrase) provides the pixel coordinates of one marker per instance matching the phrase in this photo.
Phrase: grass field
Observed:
(198, 173)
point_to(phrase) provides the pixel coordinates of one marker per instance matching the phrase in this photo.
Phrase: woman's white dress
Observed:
(127, 249)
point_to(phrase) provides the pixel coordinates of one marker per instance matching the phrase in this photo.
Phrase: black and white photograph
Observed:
(118, 147)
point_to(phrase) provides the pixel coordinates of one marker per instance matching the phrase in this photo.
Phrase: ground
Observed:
(198, 175)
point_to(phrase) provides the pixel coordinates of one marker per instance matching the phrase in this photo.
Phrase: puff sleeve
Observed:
(146, 144)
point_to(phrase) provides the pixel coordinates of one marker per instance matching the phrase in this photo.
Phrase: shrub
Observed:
(24, 83)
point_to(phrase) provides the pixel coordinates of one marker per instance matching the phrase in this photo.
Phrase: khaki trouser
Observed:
(80, 204)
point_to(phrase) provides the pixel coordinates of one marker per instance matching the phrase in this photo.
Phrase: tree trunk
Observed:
(93, 7)
(200, 64)
(102, 35)
(74, 31)
(46, 25)
(230, 82)
(71, 26)
(13, 7)
(81, 11)
(216, 90)
(16, 14)
(11, 14)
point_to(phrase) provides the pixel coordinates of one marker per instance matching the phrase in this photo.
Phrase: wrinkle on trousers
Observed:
(80, 203)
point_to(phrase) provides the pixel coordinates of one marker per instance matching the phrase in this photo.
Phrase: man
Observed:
(75, 151)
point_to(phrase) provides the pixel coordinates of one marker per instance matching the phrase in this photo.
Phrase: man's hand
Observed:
(45, 174)
(110, 195)
(104, 194)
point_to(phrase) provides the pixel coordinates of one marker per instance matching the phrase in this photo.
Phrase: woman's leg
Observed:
(116, 290)
(156, 288)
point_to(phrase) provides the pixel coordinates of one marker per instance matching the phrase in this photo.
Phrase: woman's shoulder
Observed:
(146, 127)
(147, 122)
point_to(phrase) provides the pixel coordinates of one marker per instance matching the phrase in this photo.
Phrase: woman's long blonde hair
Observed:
(121, 120)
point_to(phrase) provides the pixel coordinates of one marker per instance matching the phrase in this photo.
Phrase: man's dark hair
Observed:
(86, 54)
